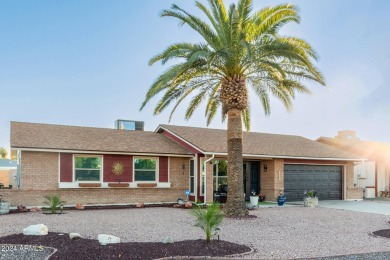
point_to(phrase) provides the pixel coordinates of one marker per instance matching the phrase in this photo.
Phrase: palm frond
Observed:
(246, 118)
(237, 42)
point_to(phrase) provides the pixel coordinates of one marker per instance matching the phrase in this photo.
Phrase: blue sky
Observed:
(86, 63)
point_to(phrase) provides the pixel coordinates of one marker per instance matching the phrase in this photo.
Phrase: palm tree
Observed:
(240, 48)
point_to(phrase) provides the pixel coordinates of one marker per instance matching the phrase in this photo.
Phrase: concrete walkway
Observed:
(378, 207)
(369, 206)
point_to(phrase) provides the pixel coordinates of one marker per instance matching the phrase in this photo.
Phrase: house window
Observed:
(192, 177)
(219, 174)
(87, 168)
(145, 169)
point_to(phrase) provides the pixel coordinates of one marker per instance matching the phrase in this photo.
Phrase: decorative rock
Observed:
(4, 207)
(140, 205)
(79, 206)
(108, 239)
(36, 230)
(176, 206)
(75, 236)
(167, 240)
(35, 209)
(22, 208)
(249, 206)
(188, 205)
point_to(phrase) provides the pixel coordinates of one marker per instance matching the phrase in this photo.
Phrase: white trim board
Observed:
(100, 152)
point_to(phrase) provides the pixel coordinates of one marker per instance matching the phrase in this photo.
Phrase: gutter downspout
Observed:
(376, 180)
(205, 171)
(18, 168)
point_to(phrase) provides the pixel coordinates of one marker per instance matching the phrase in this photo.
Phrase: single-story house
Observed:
(109, 166)
(375, 172)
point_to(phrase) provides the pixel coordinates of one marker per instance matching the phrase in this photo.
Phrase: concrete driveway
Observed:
(369, 206)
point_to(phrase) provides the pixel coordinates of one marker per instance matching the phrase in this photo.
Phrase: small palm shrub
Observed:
(208, 219)
(54, 202)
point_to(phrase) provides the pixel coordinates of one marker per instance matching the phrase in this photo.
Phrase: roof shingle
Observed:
(215, 141)
(60, 137)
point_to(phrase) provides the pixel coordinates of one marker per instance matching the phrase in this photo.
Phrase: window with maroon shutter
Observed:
(163, 171)
(66, 167)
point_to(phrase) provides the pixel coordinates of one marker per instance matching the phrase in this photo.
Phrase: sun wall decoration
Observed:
(117, 168)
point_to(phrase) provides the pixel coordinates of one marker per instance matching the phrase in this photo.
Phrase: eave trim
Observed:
(179, 137)
(291, 157)
(98, 152)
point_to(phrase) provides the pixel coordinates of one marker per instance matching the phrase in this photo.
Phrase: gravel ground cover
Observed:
(91, 249)
(276, 233)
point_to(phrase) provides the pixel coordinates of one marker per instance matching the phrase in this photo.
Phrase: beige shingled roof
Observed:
(215, 141)
(60, 137)
(368, 149)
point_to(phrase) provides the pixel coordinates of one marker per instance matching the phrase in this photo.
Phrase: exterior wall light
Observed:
(265, 167)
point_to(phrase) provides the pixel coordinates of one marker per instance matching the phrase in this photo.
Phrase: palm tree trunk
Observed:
(235, 204)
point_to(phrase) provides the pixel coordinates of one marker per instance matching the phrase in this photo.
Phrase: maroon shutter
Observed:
(110, 161)
(66, 167)
(163, 169)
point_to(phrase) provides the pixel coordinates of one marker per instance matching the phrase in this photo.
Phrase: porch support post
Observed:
(210, 183)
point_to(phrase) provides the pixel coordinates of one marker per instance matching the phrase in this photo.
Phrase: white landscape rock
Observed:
(36, 230)
(108, 239)
(74, 236)
(167, 240)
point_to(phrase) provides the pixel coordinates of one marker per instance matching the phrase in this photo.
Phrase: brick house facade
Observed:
(40, 176)
(185, 159)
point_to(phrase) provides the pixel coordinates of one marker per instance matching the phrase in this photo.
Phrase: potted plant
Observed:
(281, 199)
(310, 199)
(4, 206)
(254, 198)
(261, 197)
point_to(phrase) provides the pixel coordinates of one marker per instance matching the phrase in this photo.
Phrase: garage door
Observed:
(326, 180)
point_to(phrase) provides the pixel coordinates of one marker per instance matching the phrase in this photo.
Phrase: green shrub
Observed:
(54, 202)
(208, 219)
(312, 193)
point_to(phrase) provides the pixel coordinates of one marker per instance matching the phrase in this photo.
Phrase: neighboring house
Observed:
(108, 166)
(372, 173)
(7, 173)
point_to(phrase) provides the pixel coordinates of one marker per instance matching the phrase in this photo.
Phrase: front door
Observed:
(255, 174)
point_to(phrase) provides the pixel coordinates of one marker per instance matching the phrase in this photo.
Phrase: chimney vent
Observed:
(129, 125)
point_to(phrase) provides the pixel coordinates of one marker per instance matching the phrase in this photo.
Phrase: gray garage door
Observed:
(326, 180)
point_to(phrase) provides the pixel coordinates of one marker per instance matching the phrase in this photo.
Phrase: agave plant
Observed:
(208, 219)
(54, 202)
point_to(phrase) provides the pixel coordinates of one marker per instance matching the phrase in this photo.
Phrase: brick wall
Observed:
(178, 179)
(93, 196)
(40, 177)
(272, 181)
(39, 171)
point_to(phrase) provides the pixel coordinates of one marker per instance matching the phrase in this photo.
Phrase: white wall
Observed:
(364, 174)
